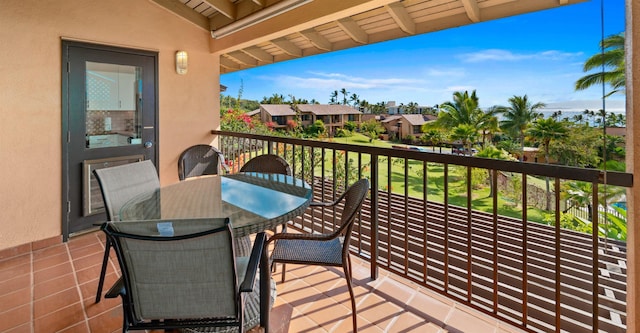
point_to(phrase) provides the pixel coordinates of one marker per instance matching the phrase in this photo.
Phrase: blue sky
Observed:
(539, 54)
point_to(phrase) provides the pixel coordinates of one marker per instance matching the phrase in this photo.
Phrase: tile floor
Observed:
(53, 290)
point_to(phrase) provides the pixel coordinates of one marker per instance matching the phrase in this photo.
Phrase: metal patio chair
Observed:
(183, 274)
(331, 249)
(200, 160)
(118, 185)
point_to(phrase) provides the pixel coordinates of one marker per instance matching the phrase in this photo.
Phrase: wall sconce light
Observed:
(182, 62)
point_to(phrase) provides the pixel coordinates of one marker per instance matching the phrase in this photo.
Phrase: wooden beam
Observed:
(179, 9)
(258, 54)
(259, 2)
(243, 58)
(564, 2)
(287, 47)
(351, 28)
(399, 14)
(302, 18)
(230, 64)
(317, 39)
(472, 9)
(225, 7)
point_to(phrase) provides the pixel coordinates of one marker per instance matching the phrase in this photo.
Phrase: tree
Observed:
(518, 116)
(579, 147)
(545, 130)
(613, 59)
(371, 129)
(355, 99)
(494, 153)
(464, 109)
(345, 95)
(466, 133)
(274, 99)
(412, 108)
(334, 97)
(432, 136)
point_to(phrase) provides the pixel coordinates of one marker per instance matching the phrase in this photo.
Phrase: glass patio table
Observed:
(254, 202)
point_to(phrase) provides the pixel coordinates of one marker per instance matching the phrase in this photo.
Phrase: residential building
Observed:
(406, 124)
(332, 115)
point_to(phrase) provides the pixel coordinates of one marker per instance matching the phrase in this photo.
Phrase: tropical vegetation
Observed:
(499, 132)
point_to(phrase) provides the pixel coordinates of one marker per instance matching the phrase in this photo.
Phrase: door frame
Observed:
(66, 110)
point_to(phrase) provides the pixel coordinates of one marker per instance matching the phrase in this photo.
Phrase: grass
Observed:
(481, 199)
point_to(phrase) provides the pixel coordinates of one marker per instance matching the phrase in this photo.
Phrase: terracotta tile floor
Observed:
(53, 290)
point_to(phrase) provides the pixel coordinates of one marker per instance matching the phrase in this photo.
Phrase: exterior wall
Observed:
(632, 36)
(30, 91)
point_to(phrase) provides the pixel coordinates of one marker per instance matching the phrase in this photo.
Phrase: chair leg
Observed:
(284, 269)
(347, 275)
(103, 271)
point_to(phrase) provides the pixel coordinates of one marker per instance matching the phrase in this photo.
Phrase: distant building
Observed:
(406, 124)
(332, 115)
(392, 109)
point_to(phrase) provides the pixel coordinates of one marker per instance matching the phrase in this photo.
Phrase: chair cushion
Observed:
(308, 251)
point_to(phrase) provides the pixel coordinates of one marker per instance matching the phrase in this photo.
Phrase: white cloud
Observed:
(333, 81)
(506, 55)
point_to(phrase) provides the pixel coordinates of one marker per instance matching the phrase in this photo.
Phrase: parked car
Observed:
(464, 151)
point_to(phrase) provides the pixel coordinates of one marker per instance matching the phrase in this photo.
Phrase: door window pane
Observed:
(112, 105)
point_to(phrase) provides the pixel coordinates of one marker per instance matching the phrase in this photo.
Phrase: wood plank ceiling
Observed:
(319, 26)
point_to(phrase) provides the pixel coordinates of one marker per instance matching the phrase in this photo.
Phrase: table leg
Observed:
(265, 289)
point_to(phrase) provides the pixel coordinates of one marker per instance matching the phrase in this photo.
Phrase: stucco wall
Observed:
(30, 97)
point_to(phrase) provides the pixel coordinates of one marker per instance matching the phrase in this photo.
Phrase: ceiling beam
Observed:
(317, 39)
(229, 64)
(225, 7)
(258, 54)
(472, 9)
(183, 11)
(564, 2)
(259, 2)
(351, 28)
(302, 18)
(243, 58)
(399, 14)
(287, 47)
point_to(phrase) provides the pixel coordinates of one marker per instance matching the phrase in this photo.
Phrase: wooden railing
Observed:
(542, 278)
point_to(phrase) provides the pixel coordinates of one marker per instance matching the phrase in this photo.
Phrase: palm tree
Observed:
(466, 133)
(464, 109)
(355, 99)
(412, 107)
(433, 136)
(518, 116)
(545, 130)
(334, 97)
(613, 59)
(345, 94)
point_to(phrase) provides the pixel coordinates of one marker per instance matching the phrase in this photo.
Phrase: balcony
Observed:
(538, 277)
(52, 289)
(420, 265)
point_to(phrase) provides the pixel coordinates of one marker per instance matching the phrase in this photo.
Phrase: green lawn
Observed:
(435, 173)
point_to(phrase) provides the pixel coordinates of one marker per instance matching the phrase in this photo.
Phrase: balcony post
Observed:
(374, 216)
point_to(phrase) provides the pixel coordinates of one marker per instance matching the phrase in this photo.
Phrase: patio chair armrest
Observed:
(116, 290)
(320, 204)
(254, 261)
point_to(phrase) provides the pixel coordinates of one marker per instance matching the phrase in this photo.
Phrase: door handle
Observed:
(148, 144)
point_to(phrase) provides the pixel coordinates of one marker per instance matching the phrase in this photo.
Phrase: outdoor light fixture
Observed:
(257, 17)
(182, 62)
